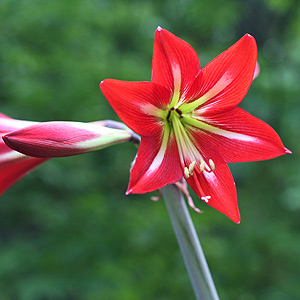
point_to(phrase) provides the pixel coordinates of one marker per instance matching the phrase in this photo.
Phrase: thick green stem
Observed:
(189, 244)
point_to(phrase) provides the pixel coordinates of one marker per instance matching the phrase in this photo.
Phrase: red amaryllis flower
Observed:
(188, 120)
(14, 165)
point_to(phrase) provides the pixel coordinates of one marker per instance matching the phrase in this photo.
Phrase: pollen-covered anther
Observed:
(186, 172)
(212, 164)
(205, 198)
(202, 165)
(192, 167)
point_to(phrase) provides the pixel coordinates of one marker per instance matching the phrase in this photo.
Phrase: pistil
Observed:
(205, 198)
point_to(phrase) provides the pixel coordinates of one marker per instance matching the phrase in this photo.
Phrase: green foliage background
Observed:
(67, 231)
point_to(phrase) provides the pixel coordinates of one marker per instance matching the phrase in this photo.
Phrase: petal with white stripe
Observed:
(156, 164)
(173, 59)
(238, 136)
(224, 82)
(140, 105)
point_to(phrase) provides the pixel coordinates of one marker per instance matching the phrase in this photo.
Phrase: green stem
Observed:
(189, 244)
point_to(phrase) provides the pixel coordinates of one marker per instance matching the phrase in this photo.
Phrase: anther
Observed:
(191, 167)
(202, 166)
(179, 112)
(212, 164)
(186, 172)
(205, 198)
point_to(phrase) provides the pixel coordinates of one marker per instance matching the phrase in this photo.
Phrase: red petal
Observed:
(225, 81)
(216, 188)
(247, 139)
(171, 52)
(154, 167)
(137, 103)
(14, 166)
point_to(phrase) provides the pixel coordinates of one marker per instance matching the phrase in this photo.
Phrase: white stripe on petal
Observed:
(8, 125)
(177, 77)
(222, 83)
(157, 160)
(210, 177)
(201, 124)
(234, 135)
(152, 110)
(11, 155)
(161, 153)
(177, 84)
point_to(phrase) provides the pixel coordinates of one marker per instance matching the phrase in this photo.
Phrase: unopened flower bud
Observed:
(59, 139)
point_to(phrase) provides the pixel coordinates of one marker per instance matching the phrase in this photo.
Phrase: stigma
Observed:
(205, 198)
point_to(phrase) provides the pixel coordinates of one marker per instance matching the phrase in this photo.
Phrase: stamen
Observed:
(191, 167)
(202, 165)
(187, 172)
(205, 198)
(186, 148)
(212, 164)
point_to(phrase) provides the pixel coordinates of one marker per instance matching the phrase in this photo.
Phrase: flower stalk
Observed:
(189, 244)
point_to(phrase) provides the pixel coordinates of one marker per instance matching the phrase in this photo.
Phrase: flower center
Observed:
(192, 161)
(190, 156)
(176, 110)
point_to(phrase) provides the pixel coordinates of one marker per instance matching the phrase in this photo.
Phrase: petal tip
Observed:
(235, 216)
(236, 219)
(159, 28)
(129, 191)
(250, 38)
(286, 150)
(103, 85)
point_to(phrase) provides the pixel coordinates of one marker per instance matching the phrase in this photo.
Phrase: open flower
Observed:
(188, 120)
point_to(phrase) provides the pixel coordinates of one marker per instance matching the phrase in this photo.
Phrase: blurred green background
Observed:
(67, 231)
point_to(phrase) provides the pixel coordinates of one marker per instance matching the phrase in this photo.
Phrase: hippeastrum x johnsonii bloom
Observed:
(14, 165)
(188, 120)
(59, 139)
